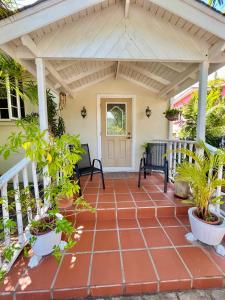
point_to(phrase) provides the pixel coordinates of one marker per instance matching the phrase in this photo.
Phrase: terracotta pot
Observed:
(65, 202)
(209, 234)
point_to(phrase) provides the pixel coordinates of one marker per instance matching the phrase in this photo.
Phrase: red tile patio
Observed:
(134, 243)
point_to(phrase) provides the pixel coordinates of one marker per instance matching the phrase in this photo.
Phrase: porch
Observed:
(133, 244)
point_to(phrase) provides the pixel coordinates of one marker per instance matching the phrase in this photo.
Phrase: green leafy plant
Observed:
(55, 121)
(172, 114)
(51, 154)
(202, 175)
(215, 115)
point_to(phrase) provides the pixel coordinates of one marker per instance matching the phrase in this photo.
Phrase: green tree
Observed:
(215, 114)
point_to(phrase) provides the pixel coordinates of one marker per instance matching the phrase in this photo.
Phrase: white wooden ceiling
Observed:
(165, 63)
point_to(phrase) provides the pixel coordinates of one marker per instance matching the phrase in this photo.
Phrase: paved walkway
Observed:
(218, 294)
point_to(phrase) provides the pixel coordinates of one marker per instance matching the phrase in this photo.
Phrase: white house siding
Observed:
(156, 127)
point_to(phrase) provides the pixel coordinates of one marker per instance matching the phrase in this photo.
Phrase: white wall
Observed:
(156, 127)
(6, 128)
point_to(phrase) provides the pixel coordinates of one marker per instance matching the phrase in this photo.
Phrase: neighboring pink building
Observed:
(187, 94)
(182, 99)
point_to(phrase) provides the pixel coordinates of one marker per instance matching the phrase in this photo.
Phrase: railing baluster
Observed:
(170, 159)
(26, 186)
(191, 149)
(18, 209)
(179, 154)
(5, 213)
(218, 190)
(185, 147)
(36, 189)
(174, 158)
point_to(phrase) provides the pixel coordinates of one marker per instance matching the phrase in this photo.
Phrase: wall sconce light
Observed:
(148, 112)
(83, 112)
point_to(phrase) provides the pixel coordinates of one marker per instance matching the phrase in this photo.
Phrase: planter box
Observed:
(206, 233)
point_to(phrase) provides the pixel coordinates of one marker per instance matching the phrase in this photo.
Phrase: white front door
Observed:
(116, 132)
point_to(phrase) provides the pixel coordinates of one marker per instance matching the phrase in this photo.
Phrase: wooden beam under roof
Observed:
(180, 78)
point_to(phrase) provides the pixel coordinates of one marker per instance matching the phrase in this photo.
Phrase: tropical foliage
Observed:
(16, 78)
(215, 114)
(202, 175)
(51, 155)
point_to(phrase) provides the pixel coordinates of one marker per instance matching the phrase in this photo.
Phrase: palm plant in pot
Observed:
(206, 224)
(55, 161)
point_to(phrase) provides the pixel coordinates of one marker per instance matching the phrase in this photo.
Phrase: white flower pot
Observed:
(44, 243)
(206, 233)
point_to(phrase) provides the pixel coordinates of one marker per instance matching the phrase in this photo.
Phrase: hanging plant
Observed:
(172, 114)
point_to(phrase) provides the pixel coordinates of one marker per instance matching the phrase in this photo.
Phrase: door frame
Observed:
(133, 122)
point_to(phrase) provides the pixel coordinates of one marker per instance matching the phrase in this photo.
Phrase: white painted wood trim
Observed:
(39, 16)
(99, 142)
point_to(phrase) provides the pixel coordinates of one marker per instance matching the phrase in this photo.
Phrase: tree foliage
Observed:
(215, 114)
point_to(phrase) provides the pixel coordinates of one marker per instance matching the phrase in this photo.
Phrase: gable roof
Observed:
(158, 45)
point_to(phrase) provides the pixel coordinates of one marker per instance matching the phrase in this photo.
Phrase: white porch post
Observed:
(42, 101)
(43, 112)
(202, 95)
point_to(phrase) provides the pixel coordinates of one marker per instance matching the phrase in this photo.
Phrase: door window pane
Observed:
(116, 119)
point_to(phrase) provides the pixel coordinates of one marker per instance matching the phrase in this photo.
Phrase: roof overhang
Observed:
(156, 44)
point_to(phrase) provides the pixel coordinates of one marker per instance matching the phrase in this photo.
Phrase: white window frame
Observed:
(9, 101)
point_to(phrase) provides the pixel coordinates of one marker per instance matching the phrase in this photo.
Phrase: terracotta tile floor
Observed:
(134, 243)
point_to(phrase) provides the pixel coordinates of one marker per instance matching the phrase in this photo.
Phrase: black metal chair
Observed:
(154, 159)
(85, 167)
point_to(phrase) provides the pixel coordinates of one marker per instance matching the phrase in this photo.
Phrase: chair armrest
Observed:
(98, 160)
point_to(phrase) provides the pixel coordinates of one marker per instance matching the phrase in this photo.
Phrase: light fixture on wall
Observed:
(83, 112)
(148, 112)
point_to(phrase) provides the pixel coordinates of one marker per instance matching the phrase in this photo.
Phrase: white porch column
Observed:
(202, 95)
(42, 101)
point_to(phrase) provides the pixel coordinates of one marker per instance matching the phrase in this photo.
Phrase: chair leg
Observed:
(145, 173)
(80, 190)
(103, 181)
(165, 181)
(91, 174)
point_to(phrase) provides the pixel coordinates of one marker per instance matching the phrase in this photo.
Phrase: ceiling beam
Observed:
(117, 70)
(148, 73)
(178, 79)
(27, 64)
(100, 79)
(59, 79)
(216, 50)
(127, 6)
(29, 43)
(66, 64)
(87, 73)
(128, 78)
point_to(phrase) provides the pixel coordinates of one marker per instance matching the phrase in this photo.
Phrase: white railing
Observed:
(176, 158)
(23, 176)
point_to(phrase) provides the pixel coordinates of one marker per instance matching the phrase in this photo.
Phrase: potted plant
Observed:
(172, 114)
(56, 161)
(207, 226)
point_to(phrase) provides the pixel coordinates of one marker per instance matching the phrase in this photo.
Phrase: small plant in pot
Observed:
(172, 114)
(55, 162)
(206, 224)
